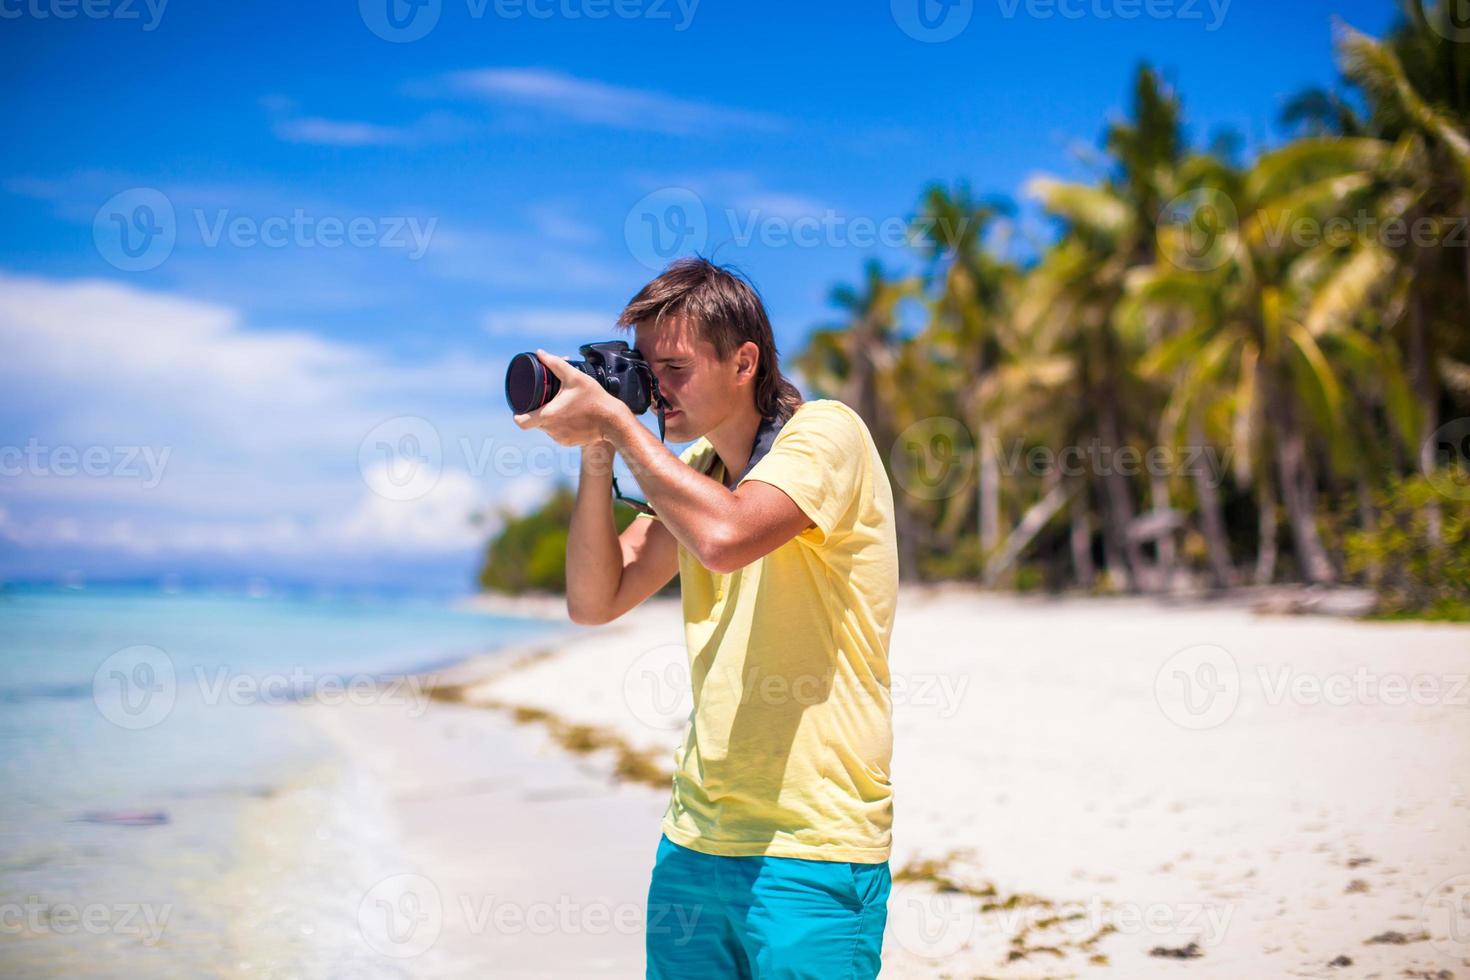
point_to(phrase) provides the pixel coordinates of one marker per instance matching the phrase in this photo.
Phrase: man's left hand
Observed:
(582, 413)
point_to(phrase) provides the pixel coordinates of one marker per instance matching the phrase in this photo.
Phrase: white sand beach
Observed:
(1083, 787)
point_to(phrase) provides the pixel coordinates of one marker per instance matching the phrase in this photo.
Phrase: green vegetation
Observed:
(529, 553)
(1219, 372)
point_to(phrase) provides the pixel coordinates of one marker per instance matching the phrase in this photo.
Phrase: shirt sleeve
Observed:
(819, 460)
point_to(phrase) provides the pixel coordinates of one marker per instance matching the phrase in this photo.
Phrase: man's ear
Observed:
(747, 359)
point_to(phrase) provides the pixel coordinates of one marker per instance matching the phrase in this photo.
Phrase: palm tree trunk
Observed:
(1119, 501)
(1165, 544)
(989, 489)
(1297, 494)
(1267, 549)
(1421, 369)
(908, 531)
(1081, 540)
(1212, 516)
(1037, 517)
(1367, 520)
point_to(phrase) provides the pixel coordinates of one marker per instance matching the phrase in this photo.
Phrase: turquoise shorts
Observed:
(764, 917)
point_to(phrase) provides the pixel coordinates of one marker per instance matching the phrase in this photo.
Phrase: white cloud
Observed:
(321, 131)
(554, 220)
(600, 103)
(336, 132)
(535, 325)
(263, 430)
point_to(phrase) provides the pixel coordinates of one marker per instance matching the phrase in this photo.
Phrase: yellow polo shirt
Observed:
(791, 736)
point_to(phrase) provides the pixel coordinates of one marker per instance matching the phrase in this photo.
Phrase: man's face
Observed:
(701, 389)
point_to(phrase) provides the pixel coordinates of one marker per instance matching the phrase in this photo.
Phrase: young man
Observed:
(779, 522)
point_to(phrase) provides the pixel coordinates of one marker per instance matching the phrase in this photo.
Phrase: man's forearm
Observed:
(594, 555)
(696, 509)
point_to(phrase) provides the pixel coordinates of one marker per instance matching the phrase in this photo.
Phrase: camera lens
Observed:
(528, 385)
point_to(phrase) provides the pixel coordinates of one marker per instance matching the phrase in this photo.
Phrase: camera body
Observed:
(620, 370)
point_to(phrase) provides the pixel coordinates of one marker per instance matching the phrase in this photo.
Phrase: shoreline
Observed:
(1048, 790)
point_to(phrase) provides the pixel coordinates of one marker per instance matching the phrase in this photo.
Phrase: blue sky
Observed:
(284, 250)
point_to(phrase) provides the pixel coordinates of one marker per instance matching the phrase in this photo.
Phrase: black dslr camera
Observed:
(621, 371)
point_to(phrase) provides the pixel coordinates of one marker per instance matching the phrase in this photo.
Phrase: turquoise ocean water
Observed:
(167, 811)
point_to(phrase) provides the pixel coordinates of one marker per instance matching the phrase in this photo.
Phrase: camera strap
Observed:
(639, 505)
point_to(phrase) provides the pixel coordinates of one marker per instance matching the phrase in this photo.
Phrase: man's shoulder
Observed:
(833, 418)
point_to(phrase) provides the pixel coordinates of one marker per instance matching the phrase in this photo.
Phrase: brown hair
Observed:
(728, 312)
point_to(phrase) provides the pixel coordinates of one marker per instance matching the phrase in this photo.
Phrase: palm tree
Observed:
(967, 314)
(1108, 230)
(1273, 327)
(1417, 85)
(857, 362)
